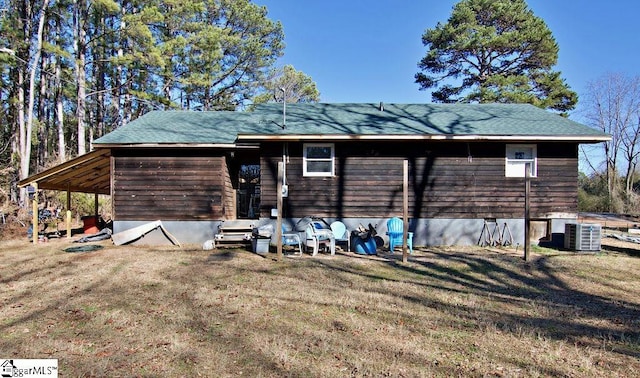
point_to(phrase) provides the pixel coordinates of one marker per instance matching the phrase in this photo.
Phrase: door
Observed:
(248, 203)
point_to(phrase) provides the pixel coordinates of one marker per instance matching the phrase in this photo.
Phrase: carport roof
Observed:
(89, 173)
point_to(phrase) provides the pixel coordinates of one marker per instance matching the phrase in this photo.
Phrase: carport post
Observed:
(96, 207)
(68, 218)
(34, 209)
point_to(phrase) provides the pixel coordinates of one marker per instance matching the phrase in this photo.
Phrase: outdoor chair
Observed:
(341, 234)
(319, 234)
(395, 231)
(291, 238)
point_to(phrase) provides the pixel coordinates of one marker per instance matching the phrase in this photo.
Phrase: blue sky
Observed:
(367, 51)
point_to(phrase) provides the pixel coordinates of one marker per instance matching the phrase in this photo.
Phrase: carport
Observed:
(88, 173)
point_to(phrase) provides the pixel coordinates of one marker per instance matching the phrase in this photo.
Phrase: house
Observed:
(6, 368)
(466, 164)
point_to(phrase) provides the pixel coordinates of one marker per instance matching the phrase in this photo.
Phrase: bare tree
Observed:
(290, 84)
(613, 106)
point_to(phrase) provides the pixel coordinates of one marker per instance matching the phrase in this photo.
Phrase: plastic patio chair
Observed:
(341, 234)
(319, 234)
(395, 231)
(291, 238)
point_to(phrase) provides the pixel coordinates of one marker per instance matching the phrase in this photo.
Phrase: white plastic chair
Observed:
(291, 238)
(318, 235)
(341, 234)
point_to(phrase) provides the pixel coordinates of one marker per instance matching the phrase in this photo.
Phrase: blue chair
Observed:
(291, 238)
(341, 234)
(365, 246)
(395, 231)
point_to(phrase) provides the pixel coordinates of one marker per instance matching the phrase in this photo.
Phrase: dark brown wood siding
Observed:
(229, 177)
(446, 180)
(171, 185)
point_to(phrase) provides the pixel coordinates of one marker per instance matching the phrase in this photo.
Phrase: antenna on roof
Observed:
(381, 106)
(284, 108)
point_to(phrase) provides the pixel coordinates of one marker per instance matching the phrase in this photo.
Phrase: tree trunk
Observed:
(60, 114)
(25, 18)
(612, 185)
(22, 134)
(127, 110)
(80, 72)
(80, 110)
(99, 59)
(42, 115)
(26, 147)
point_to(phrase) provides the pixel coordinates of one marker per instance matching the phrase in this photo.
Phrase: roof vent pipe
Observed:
(381, 106)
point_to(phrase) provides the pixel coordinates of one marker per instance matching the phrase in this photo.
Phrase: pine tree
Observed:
(494, 51)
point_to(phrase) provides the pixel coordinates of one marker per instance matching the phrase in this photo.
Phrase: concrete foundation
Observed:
(426, 232)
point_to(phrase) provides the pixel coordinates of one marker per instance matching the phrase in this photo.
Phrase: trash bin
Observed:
(90, 224)
(261, 238)
(260, 244)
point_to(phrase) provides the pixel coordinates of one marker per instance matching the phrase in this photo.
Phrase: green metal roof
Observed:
(444, 121)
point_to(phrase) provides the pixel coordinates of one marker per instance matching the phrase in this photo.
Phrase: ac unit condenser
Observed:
(582, 236)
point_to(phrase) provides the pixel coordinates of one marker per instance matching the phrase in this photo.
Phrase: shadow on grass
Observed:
(215, 310)
(223, 255)
(565, 312)
(633, 252)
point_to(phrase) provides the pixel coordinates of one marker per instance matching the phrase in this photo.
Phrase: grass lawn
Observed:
(169, 311)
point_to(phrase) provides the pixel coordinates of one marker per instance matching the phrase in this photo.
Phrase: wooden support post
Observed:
(96, 206)
(112, 185)
(68, 218)
(527, 215)
(279, 208)
(405, 209)
(34, 209)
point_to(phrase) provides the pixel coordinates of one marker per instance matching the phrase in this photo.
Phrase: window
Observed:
(318, 160)
(518, 155)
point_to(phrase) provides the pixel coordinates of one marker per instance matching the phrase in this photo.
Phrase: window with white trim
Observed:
(517, 156)
(318, 159)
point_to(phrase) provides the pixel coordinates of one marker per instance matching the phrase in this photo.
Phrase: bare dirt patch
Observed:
(13, 231)
(139, 311)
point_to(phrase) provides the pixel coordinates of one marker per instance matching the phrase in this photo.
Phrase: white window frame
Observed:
(306, 159)
(516, 159)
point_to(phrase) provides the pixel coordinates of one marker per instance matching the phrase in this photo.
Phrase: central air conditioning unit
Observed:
(582, 236)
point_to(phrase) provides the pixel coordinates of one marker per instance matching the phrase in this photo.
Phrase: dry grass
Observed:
(135, 311)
